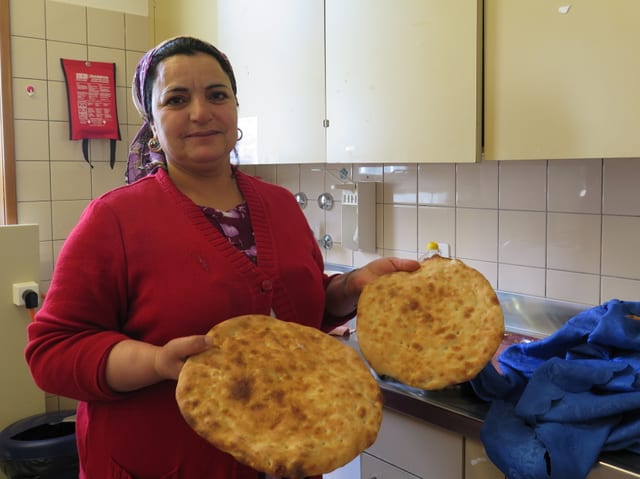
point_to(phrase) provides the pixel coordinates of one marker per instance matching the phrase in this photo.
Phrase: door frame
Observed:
(8, 198)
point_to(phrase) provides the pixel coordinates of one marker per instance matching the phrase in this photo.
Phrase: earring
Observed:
(240, 135)
(154, 145)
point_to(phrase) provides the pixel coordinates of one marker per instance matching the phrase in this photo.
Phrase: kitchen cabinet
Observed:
(403, 80)
(415, 447)
(374, 468)
(277, 52)
(561, 79)
(476, 463)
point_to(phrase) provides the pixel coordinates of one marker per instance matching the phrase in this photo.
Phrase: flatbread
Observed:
(282, 398)
(431, 328)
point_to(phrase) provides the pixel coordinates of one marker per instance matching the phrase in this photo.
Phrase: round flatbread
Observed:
(431, 328)
(282, 398)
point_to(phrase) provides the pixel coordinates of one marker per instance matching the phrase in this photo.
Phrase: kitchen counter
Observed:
(459, 410)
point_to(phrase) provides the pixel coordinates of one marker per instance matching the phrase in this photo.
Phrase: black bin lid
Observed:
(41, 435)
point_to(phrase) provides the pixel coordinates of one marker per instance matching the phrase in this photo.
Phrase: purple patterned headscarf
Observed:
(143, 161)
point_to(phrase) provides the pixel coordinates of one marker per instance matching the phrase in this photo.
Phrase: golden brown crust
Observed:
(285, 399)
(432, 328)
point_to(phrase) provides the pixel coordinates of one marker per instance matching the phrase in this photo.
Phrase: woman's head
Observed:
(146, 70)
(181, 88)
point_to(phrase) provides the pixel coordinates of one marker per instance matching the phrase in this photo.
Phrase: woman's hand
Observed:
(171, 357)
(135, 364)
(343, 292)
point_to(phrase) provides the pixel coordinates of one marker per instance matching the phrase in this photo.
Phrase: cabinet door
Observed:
(403, 80)
(373, 468)
(277, 52)
(420, 448)
(561, 79)
(476, 463)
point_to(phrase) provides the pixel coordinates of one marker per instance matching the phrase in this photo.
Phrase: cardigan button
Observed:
(266, 286)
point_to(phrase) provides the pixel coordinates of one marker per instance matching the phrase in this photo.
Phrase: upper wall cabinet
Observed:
(562, 79)
(277, 52)
(403, 80)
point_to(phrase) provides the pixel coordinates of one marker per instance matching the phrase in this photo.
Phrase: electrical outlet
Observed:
(20, 288)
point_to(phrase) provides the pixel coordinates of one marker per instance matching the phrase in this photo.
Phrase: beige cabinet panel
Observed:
(403, 80)
(601, 471)
(561, 79)
(373, 468)
(277, 51)
(476, 463)
(420, 448)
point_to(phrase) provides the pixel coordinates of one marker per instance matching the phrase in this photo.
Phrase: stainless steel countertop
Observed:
(459, 410)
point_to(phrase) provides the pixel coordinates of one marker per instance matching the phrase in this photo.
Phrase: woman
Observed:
(153, 265)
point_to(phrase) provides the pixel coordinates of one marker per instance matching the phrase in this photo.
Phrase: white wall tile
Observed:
(436, 223)
(312, 181)
(400, 184)
(477, 234)
(333, 219)
(619, 288)
(27, 18)
(137, 32)
(70, 180)
(621, 178)
(29, 107)
(380, 226)
(339, 255)
(400, 227)
(573, 242)
(488, 269)
(104, 179)
(523, 185)
(33, 181)
(65, 215)
(131, 62)
(132, 116)
(59, 50)
(521, 279)
(58, 101)
(620, 241)
(477, 185)
(575, 186)
(360, 258)
(60, 146)
(36, 212)
(437, 184)
(105, 28)
(28, 58)
(100, 149)
(522, 238)
(574, 287)
(66, 23)
(315, 218)
(266, 172)
(31, 140)
(46, 259)
(288, 176)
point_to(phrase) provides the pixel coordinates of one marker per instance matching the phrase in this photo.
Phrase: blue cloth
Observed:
(562, 400)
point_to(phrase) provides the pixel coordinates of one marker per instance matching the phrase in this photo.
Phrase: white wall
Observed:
(20, 260)
(135, 7)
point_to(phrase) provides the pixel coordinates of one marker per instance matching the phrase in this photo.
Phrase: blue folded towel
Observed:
(562, 400)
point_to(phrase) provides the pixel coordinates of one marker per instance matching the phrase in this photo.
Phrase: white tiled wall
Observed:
(563, 229)
(54, 183)
(560, 229)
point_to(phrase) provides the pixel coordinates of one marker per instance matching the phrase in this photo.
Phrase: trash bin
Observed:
(42, 446)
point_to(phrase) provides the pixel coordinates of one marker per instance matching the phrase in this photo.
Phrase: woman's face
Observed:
(194, 112)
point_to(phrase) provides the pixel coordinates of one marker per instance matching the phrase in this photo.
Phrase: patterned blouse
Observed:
(235, 224)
